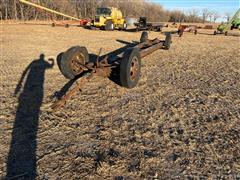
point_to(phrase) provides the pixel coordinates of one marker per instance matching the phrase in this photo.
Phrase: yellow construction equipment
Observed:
(109, 18)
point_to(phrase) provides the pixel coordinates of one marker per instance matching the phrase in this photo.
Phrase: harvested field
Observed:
(181, 121)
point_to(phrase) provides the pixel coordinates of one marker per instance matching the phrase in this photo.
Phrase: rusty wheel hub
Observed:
(134, 68)
(77, 62)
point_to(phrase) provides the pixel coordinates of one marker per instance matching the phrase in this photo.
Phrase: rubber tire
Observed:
(59, 59)
(67, 56)
(125, 67)
(92, 28)
(109, 26)
(53, 24)
(124, 26)
(159, 29)
(66, 25)
(215, 33)
(180, 32)
(144, 37)
(195, 32)
(168, 41)
(226, 33)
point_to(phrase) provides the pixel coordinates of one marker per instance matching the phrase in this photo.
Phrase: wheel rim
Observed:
(76, 63)
(134, 68)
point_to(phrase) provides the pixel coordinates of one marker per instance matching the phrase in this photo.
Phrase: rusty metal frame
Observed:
(103, 68)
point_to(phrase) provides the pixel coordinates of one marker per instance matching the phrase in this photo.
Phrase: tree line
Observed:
(14, 10)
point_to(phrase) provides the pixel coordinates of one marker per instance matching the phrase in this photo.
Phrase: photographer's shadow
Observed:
(21, 160)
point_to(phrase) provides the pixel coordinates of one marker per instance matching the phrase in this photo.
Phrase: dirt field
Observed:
(181, 121)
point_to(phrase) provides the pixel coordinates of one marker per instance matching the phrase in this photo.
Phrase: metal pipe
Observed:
(47, 9)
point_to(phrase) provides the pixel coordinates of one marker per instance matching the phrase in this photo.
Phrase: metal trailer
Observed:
(142, 24)
(74, 64)
(186, 28)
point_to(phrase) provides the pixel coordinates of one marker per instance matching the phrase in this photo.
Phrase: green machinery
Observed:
(234, 23)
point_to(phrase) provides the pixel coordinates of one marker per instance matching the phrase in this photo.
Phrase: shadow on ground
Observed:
(21, 162)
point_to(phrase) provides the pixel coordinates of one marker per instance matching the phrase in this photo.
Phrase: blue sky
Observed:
(221, 6)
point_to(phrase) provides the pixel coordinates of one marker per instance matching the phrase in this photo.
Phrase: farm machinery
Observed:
(125, 63)
(234, 23)
(142, 24)
(109, 18)
(82, 22)
(186, 28)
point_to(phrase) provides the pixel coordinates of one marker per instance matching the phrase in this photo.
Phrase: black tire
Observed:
(144, 37)
(137, 29)
(159, 29)
(59, 59)
(215, 33)
(168, 41)
(69, 59)
(226, 33)
(109, 26)
(195, 32)
(53, 24)
(180, 32)
(124, 26)
(130, 68)
(66, 25)
(92, 27)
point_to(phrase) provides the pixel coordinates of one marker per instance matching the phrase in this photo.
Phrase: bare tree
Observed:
(4, 9)
(13, 9)
(177, 16)
(211, 14)
(205, 14)
(193, 15)
(227, 16)
(215, 16)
